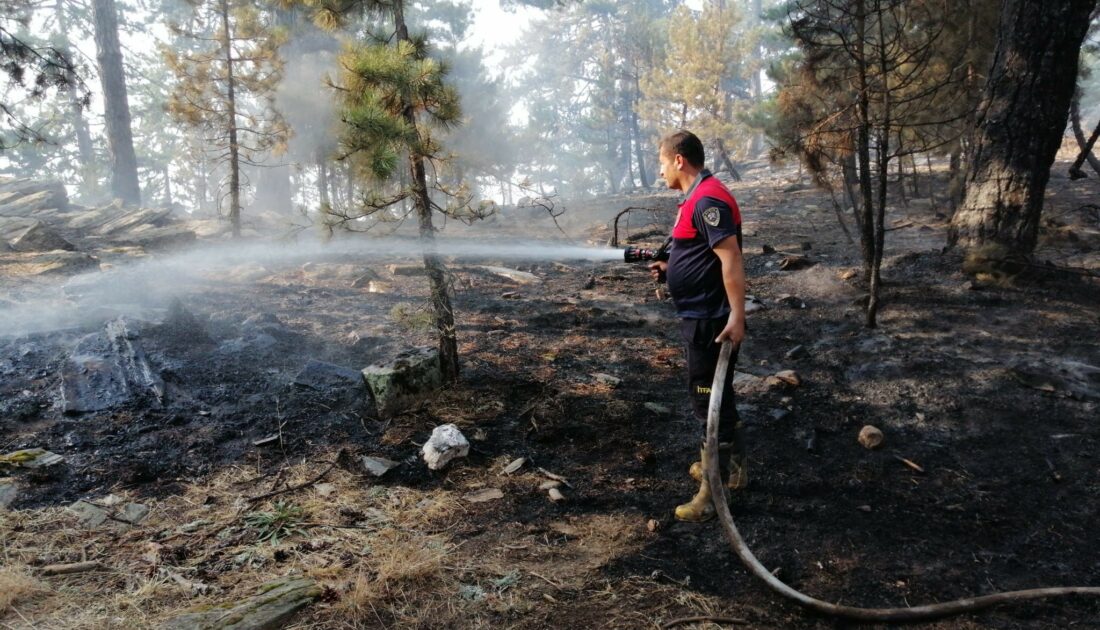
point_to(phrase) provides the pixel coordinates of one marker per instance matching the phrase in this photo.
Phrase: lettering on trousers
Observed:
(699, 389)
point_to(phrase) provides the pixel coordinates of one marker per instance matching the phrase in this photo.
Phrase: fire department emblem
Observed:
(711, 216)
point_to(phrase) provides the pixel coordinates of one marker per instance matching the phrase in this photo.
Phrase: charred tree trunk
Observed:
(863, 149)
(442, 312)
(116, 106)
(231, 115)
(883, 158)
(1020, 124)
(726, 161)
(1075, 171)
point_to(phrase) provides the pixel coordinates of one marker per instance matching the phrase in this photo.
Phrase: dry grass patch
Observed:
(16, 586)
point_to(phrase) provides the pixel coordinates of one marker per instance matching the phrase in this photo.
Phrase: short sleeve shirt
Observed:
(707, 216)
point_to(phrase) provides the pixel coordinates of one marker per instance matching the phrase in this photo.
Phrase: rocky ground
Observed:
(211, 462)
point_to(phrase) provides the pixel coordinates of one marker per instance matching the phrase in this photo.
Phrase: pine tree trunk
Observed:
(756, 144)
(322, 182)
(231, 115)
(116, 106)
(442, 312)
(1020, 124)
(883, 159)
(167, 186)
(85, 153)
(726, 161)
(1075, 171)
(639, 150)
(863, 149)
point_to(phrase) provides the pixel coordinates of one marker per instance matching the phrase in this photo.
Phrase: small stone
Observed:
(510, 295)
(133, 513)
(515, 465)
(658, 409)
(378, 466)
(9, 492)
(445, 444)
(864, 508)
(767, 249)
(486, 494)
(789, 377)
(90, 516)
(549, 484)
(607, 379)
(555, 495)
(807, 246)
(653, 525)
(870, 437)
(324, 489)
(779, 414)
(848, 274)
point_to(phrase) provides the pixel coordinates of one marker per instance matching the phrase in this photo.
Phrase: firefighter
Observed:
(706, 280)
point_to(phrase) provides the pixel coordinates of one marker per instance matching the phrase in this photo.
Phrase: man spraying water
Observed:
(706, 280)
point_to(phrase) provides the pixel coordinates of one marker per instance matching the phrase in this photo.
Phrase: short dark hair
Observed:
(684, 143)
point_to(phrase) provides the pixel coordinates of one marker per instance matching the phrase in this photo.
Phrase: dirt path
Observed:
(987, 388)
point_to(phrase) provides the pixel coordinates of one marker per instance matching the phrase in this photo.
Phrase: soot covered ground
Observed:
(979, 387)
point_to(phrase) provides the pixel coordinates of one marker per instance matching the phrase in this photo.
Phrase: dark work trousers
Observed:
(702, 359)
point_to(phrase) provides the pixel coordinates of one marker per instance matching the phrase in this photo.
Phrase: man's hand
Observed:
(734, 332)
(658, 270)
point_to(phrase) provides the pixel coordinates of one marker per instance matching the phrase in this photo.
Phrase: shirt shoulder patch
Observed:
(711, 217)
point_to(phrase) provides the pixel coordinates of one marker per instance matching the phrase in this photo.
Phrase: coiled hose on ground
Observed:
(916, 613)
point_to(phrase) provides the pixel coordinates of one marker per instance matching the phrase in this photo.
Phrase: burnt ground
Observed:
(983, 385)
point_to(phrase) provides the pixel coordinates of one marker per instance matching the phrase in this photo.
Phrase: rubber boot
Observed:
(732, 464)
(700, 508)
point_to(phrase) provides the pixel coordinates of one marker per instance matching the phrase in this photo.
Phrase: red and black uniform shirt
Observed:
(707, 217)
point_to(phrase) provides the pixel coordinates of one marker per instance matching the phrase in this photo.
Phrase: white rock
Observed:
(378, 466)
(446, 443)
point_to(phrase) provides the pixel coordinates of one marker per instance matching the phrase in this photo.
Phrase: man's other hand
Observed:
(734, 332)
(658, 270)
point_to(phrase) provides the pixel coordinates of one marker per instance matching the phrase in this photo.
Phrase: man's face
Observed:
(670, 168)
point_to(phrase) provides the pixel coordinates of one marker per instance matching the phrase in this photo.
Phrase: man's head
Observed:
(681, 157)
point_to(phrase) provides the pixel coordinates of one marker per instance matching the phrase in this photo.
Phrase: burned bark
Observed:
(1020, 123)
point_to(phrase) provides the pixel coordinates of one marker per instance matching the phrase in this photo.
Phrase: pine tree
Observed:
(870, 88)
(704, 81)
(1020, 124)
(32, 67)
(227, 90)
(395, 99)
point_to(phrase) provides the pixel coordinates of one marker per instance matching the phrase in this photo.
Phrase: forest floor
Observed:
(986, 390)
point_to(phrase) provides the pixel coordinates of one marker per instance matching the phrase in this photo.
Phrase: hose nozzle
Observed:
(640, 254)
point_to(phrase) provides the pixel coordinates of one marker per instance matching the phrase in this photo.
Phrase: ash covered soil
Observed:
(986, 391)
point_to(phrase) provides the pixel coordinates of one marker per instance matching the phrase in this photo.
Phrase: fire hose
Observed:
(916, 613)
